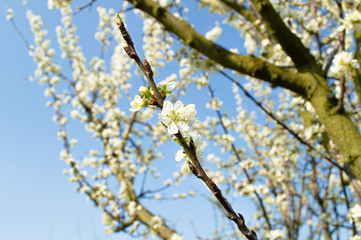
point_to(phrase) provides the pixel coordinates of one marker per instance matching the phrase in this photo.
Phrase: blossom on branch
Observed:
(137, 104)
(171, 116)
(168, 84)
(176, 117)
(197, 140)
(342, 63)
(9, 14)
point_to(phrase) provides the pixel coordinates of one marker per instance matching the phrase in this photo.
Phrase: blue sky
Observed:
(37, 200)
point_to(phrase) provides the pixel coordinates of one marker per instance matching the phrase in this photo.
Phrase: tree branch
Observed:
(245, 12)
(234, 149)
(190, 149)
(251, 15)
(283, 125)
(290, 43)
(250, 65)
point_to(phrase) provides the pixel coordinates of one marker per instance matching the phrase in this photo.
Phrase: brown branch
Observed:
(302, 195)
(250, 15)
(132, 53)
(250, 65)
(190, 150)
(236, 153)
(329, 62)
(127, 130)
(245, 12)
(200, 173)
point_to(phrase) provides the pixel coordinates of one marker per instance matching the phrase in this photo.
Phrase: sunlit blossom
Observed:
(168, 84)
(214, 33)
(9, 14)
(136, 104)
(342, 63)
(197, 140)
(176, 117)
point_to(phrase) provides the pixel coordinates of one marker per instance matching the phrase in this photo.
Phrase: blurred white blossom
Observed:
(214, 33)
(9, 14)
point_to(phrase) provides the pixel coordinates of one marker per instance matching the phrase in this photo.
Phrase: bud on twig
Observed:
(129, 50)
(193, 169)
(148, 68)
(124, 31)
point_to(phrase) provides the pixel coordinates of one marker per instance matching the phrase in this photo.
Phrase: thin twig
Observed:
(270, 114)
(21, 35)
(84, 7)
(347, 201)
(263, 208)
(332, 56)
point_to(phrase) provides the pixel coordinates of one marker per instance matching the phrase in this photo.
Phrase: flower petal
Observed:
(134, 109)
(182, 126)
(178, 105)
(198, 140)
(179, 155)
(167, 107)
(136, 104)
(190, 112)
(164, 119)
(172, 128)
(171, 86)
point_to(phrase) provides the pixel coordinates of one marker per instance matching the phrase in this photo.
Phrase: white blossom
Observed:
(356, 237)
(156, 222)
(136, 104)
(9, 14)
(275, 234)
(214, 104)
(163, 3)
(342, 63)
(179, 155)
(214, 33)
(250, 44)
(176, 237)
(176, 117)
(168, 84)
(351, 21)
(355, 215)
(132, 208)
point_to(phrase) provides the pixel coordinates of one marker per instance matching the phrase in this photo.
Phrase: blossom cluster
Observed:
(157, 45)
(355, 215)
(342, 63)
(146, 96)
(176, 117)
